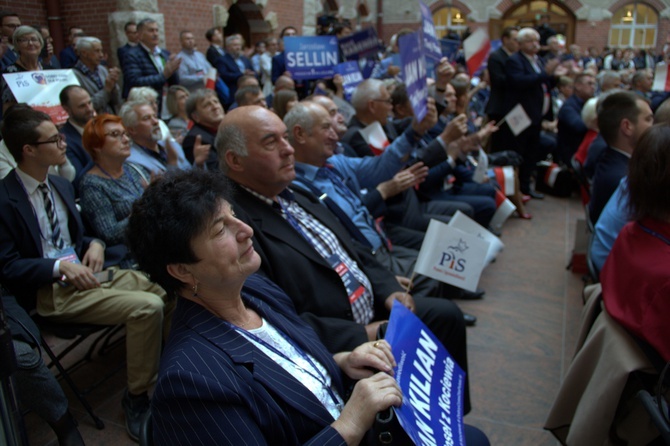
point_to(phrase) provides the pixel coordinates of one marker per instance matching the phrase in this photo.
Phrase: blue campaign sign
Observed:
(311, 57)
(450, 48)
(351, 76)
(432, 383)
(414, 73)
(431, 46)
(361, 44)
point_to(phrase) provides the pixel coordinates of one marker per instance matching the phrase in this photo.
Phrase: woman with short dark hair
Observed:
(240, 366)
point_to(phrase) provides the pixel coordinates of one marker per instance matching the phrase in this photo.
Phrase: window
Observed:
(449, 18)
(634, 25)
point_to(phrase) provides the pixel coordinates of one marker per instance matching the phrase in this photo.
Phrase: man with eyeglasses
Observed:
(78, 105)
(9, 21)
(49, 264)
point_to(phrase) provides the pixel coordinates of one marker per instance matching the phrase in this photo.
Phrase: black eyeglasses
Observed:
(58, 140)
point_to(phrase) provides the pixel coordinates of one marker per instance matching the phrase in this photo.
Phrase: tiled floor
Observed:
(518, 351)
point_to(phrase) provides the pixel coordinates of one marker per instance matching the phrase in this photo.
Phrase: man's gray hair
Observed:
(195, 97)
(86, 43)
(525, 33)
(142, 23)
(366, 91)
(147, 94)
(128, 113)
(300, 114)
(231, 39)
(230, 138)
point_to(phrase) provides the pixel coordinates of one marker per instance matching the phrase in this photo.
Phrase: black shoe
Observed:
(536, 195)
(135, 408)
(469, 319)
(471, 295)
(66, 431)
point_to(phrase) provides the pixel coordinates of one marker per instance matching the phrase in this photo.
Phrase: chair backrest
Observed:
(584, 184)
(146, 437)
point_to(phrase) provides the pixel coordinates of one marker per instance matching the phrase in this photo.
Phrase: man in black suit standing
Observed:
(130, 28)
(622, 118)
(496, 107)
(529, 84)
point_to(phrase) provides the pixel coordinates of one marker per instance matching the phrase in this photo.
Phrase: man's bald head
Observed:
(254, 151)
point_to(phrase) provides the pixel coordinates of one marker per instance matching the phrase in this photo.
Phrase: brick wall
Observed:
(32, 12)
(590, 33)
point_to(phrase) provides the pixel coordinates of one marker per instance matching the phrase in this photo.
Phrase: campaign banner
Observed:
(414, 73)
(452, 256)
(40, 90)
(431, 46)
(367, 66)
(312, 57)
(432, 383)
(461, 221)
(450, 48)
(361, 44)
(351, 77)
(495, 44)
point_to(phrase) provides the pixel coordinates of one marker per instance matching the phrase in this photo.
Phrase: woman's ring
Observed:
(376, 344)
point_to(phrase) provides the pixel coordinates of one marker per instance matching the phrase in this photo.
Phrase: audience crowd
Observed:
(315, 216)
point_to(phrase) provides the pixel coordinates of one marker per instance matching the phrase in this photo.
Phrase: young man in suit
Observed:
(48, 263)
(496, 107)
(336, 284)
(130, 29)
(622, 118)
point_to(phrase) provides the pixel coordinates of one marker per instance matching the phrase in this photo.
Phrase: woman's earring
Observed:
(195, 290)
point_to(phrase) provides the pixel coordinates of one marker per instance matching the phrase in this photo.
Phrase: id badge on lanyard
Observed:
(354, 288)
(67, 255)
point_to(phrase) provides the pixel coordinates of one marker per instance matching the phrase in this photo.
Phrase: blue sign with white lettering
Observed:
(311, 57)
(351, 77)
(414, 73)
(361, 44)
(431, 46)
(432, 383)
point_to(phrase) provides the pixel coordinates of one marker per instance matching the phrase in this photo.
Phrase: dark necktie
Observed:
(50, 209)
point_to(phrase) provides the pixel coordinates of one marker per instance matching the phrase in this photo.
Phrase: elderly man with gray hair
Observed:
(233, 64)
(101, 84)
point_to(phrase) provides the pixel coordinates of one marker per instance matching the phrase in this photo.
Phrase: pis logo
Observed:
(450, 257)
(40, 78)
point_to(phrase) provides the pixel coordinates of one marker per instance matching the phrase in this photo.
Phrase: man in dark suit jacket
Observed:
(233, 64)
(205, 110)
(76, 101)
(529, 84)
(147, 65)
(130, 28)
(622, 118)
(68, 56)
(496, 107)
(571, 127)
(49, 264)
(255, 154)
